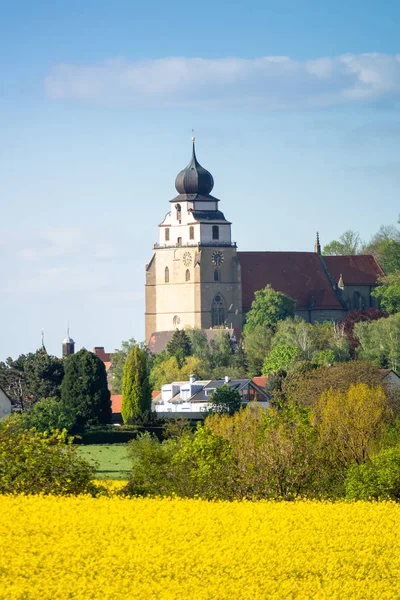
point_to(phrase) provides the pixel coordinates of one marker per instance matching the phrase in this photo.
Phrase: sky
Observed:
(294, 105)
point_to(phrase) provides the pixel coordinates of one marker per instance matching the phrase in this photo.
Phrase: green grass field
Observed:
(113, 461)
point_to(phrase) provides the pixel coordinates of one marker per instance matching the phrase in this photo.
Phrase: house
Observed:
(390, 379)
(5, 404)
(191, 399)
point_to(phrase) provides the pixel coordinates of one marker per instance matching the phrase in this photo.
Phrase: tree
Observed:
(348, 243)
(31, 377)
(199, 344)
(225, 400)
(377, 479)
(303, 386)
(39, 463)
(359, 316)
(385, 246)
(280, 358)
(179, 346)
(268, 307)
(84, 391)
(388, 292)
(380, 342)
(118, 359)
(48, 414)
(350, 423)
(221, 350)
(136, 390)
(257, 344)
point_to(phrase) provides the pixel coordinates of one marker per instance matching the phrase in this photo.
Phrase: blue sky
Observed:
(295, 110)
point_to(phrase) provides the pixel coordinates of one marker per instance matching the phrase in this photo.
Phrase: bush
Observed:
(378, 479)
(48, 414)
(33, 463)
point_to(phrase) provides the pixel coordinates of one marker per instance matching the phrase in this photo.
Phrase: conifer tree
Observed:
(179, 346)
(84, 390)
(136, 390)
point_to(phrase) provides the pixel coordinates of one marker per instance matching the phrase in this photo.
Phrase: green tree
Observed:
(385, 246)
(222, 350)
(179, 346)
(199, 344)
(118, 359)
(39, 463)
(257, 344)
(84, 391)
(136, 390)
(280, 358)
(348, 243)
(31, 377)
(377, 479)
(48, 414)
(225, 399)
(268, 307)
(379, 342)
(388, 292)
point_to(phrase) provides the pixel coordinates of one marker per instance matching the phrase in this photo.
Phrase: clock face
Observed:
(187, 259)
(217, 258)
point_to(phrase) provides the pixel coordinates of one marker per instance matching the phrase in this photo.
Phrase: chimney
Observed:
(227, 379)
(192, 379)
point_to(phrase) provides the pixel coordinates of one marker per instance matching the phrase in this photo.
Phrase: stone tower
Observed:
(193, 278)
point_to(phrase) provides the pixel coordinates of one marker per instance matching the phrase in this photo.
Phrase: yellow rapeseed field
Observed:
(112, 548)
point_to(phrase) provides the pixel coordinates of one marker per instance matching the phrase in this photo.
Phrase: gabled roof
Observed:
(300, 275)
(361, 269)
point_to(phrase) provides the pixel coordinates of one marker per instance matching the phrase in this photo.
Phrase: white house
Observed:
(5, 404)
(191, 399)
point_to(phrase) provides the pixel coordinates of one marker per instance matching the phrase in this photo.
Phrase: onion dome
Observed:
(68, 340)
(194, 179)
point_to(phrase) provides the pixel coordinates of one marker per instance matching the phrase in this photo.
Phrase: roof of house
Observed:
(116, 404)
(361, 269)
(100, 352)
(300, 275)
(260, 381)
(236, 384)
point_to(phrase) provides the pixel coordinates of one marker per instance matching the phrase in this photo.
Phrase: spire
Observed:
(68, 345)
(194, 179)
(43, 347)
(317, 245)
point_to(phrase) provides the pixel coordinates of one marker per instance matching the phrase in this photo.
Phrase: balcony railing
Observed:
(192, 244)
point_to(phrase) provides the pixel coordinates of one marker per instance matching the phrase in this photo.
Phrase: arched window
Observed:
(167, 235)
(178, 212)
(187, 275)
(166, 275)
(191, 232)
(216, 275)
(218, 311)
(215, 232)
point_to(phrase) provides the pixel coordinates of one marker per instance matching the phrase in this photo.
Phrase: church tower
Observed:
(193, 278)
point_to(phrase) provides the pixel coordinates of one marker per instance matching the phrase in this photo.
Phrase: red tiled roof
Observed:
(260, 381)
(159, 339)
(116, 403)
(155, 393)
(300, 275)
(100, 352)
(361, 269)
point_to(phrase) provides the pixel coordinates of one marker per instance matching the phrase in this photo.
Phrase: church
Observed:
(197, 277)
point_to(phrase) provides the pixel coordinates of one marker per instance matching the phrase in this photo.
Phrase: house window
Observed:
(166, 275)
(167, 235)
(216, 275)
(218, 311)
(179, 241)
(215, 232)
(191, 232)
(187, 275)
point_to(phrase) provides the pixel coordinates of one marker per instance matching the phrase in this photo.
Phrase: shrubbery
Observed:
(33, 463)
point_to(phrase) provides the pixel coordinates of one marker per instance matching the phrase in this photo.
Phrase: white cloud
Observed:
(274, 82)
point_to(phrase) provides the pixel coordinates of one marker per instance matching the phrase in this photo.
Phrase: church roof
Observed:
(208, 215)
(303, 276)
(361, 269)
(194, 179)
(300, 275)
